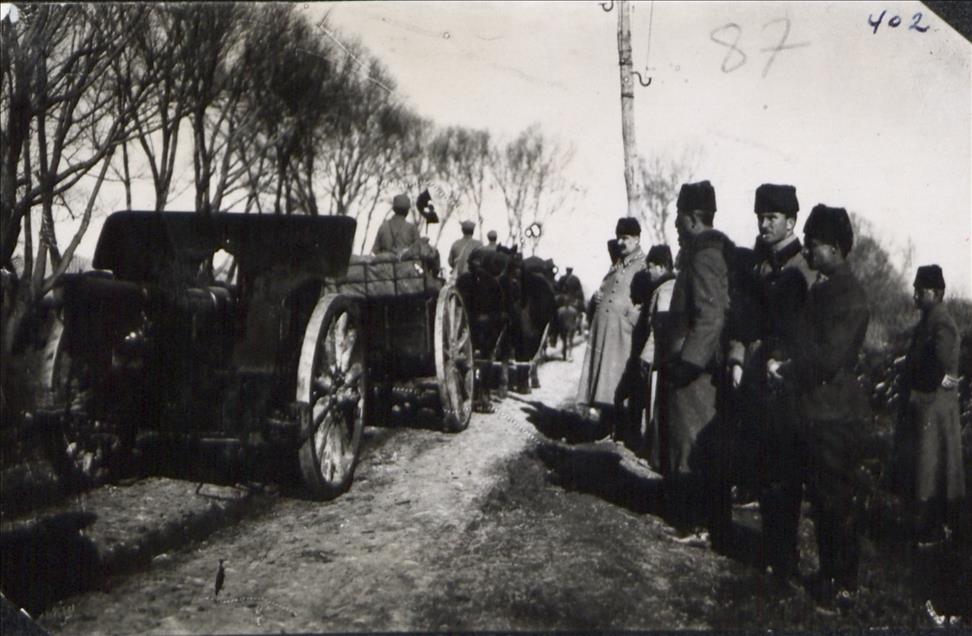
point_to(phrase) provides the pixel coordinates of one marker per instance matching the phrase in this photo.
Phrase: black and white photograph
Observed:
(441, 316)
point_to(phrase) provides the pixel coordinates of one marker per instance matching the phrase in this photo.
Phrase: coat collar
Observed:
(779, 254)
(633, 257)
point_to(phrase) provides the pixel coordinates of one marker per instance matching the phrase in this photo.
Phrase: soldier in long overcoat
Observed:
(615, 316)
(831, 403)
(770, 301)
(930, 433)
(696, 483)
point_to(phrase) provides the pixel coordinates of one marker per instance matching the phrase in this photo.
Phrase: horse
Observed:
(568, 322)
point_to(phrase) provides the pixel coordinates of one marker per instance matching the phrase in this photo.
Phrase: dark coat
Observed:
(697, 315)
(831, 334)
(929, 438)
(770, 301)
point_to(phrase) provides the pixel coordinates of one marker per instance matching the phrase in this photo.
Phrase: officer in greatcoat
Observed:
(770, 301)
(831, 404)
(697, 484)
(615, 316)
(929, 435)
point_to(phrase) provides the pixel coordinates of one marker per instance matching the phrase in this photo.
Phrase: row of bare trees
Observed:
(273, 113)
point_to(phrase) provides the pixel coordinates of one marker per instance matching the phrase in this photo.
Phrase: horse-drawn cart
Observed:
(290, 350)
(511, 306)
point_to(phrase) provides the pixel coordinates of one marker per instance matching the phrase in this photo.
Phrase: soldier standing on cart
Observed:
(397, 233)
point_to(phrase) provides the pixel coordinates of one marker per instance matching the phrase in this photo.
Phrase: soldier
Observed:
(831, 404)
(930, 429)
(656, 316)
(491, 237)
(770, 304)
(696, 483)
(609, 345)
(396, 234)
(462, 248)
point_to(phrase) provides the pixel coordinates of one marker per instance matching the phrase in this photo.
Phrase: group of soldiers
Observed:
(728, 344)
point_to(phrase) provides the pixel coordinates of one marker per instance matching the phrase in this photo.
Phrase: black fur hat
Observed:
(776, 198)
(627, 226)
(830, 225)
(930, 277)
(697, 196)
(660, 255)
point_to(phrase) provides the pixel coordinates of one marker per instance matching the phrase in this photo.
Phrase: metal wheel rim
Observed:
(337, 400)
(456, 356)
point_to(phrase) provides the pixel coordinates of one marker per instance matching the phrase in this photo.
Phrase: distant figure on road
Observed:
(929, 436)
(396, 234)
(491, 237)
(462, 248)
(609, 346)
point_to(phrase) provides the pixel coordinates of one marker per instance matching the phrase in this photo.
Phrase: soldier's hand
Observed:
(737, 375)
(949, 382)
(773, 372)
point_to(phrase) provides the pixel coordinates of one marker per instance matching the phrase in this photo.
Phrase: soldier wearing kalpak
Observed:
(615, 316)
(832, 407)
(930, 433)
(770, 302)
(697, 483)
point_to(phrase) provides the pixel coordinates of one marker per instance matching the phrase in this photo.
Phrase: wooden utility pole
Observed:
(627, 110)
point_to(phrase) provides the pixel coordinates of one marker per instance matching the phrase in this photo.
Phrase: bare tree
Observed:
(63, 118)
(462, 157)
(660, 180)
(529, 171)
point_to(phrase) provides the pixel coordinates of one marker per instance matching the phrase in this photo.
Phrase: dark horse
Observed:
(509, 307)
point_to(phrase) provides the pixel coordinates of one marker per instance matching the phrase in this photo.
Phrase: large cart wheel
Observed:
(454, 368)
(331, 379)
(82, 451)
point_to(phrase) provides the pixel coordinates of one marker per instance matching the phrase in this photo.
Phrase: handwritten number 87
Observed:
(736, 57)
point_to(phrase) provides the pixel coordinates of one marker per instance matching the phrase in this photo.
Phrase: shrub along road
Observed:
(505, 526)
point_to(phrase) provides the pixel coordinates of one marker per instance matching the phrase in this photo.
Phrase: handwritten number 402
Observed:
(895, 21)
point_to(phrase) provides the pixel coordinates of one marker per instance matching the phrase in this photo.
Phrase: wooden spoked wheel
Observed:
(81, 451)
(331, 379)
(454, 367)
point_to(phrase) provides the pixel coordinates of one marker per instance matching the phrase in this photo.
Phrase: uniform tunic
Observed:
(609, 346)
(832, 407)
(770, 300)
(394, 235)
(459, 253)
(930, 432)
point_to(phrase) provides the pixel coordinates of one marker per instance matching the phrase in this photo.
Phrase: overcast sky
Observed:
(874, 120)
(877, 122)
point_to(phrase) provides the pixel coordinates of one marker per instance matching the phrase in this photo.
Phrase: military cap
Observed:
(491, 235)
(830, 225)
(696, 196)
(627, 226)
(660, 255)
(401, 203)
(467, 227)
(776, 198)
(929, 277)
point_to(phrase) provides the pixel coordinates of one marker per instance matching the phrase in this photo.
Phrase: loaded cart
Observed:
(231, 327)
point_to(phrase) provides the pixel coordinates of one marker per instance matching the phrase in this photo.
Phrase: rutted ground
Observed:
(502, 527)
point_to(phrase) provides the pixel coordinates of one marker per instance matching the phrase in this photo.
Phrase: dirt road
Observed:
(502, 527)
